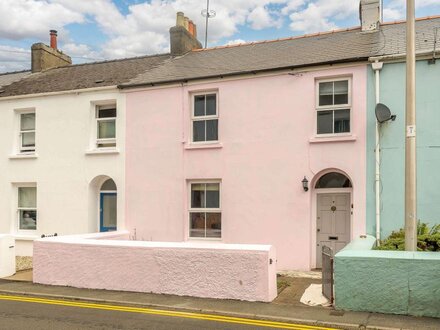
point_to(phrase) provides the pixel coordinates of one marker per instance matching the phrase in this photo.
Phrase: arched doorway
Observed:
(333, 212)
(108, 206)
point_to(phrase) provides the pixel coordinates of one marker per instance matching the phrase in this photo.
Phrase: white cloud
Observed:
(392, 14)
(292, 5)
(320, 15)
(14, 58)
(33, 19)
(396, 9)
(81, 52)
(145, 28)
(260, 18)
(235, 42)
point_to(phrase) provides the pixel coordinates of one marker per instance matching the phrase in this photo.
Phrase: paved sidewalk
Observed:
(286, 307)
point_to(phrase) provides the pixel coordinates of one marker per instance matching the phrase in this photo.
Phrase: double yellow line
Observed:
(188, 315)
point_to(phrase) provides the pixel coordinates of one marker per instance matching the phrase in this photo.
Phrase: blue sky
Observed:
(91, 30)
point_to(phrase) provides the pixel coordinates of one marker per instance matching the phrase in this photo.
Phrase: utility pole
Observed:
(410, 141)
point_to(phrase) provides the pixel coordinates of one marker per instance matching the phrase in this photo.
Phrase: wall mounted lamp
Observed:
(305, 184)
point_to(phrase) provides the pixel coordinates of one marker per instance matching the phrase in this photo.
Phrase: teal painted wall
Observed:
(392, 93)
(395, 282)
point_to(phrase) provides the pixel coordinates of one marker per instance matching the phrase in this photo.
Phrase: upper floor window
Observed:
(204, 213)
(204, 117)
(106, 126)
(27, 132)
(333, 106)
(27, 208)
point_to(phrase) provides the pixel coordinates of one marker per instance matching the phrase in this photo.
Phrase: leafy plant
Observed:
(428, 239)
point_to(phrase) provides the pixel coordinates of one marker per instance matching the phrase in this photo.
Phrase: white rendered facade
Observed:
(67, 168)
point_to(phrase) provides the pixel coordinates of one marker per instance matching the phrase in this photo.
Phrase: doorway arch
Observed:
(332, 212)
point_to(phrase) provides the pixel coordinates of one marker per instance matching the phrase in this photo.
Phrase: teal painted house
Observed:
(392, 135)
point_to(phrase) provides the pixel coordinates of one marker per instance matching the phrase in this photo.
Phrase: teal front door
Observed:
(107, 211)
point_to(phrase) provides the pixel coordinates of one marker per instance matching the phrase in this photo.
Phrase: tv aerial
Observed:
(207, 13)
(383, 113)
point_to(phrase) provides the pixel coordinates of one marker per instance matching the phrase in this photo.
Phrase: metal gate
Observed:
(327, 273)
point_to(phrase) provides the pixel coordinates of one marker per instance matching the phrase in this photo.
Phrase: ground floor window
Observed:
(27, 208)
(204, 212)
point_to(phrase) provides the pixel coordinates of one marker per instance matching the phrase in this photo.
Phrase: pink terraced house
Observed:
(260, 143)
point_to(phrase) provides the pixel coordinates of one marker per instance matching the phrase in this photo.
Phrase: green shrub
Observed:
(428, 239)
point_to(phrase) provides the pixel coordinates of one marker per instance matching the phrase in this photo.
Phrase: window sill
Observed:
(24, 156)
(193, 146)
(205, 239)
(102, 151)
(334, 138)
(22, 237)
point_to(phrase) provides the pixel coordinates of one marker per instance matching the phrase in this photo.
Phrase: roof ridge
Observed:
(111, 61)
(425, 18)
(13, 72)
(93, 63)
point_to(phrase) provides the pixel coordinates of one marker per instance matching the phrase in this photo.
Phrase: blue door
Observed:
(107, 211)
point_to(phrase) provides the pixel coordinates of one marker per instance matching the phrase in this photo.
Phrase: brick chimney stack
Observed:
(45, 57)
(183, 36)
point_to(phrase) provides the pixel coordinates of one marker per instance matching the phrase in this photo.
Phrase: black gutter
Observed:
(249, 72)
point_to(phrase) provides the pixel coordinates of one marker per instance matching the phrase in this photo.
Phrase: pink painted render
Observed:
(267, 144)
(98, 261)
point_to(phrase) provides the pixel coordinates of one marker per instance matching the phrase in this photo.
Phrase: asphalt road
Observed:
(34, 313)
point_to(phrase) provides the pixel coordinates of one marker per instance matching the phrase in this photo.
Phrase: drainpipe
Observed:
(377, 66)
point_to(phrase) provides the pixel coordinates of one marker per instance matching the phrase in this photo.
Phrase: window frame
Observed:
(19, 149)
(204, 210)
(334, 107)
(18, 208)
(97, 120)
(204, 118)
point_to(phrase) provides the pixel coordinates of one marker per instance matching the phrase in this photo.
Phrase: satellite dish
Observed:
(383, 113)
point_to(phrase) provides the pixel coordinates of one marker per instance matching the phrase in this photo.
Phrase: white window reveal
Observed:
(106, 126)
(205, 214)
(27, 132)
(205, 118)
(334, 106)
(27, 208)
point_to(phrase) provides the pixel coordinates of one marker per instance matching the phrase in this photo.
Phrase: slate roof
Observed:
(80, 76)
(347, 45)
(260, 56)
(321, 48)
(392, 37)
(10, 77)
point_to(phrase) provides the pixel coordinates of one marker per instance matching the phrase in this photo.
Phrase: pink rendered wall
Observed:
(267, 136)
(187, 269)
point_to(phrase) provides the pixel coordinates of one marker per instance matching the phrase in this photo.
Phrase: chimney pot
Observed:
(53, 39)
(186, 23)
(180, 19)
(191, 27)
(195, 31)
